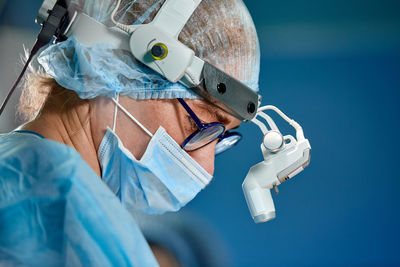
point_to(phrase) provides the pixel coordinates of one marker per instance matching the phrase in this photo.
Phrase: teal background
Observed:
(333, 66)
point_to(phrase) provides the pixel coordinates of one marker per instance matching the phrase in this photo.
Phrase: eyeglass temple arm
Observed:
(191, 113)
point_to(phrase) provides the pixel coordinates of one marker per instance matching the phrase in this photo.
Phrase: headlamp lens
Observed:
(227, 141)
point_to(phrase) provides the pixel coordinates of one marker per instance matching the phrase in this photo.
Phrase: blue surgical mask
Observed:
(165, 179)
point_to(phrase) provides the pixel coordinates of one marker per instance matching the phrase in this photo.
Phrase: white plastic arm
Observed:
(296, 126)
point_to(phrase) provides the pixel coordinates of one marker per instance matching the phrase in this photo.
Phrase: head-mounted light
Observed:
(157, 46)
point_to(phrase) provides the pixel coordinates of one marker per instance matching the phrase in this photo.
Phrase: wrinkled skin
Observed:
(84, 126)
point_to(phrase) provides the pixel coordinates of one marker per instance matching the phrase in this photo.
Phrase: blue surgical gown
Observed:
(56, 211)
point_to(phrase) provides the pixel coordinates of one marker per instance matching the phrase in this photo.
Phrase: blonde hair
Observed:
(40, 90)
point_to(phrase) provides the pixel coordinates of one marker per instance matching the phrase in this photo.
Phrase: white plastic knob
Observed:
(273, 141)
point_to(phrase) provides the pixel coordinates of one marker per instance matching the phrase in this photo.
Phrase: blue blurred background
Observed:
(334, 66)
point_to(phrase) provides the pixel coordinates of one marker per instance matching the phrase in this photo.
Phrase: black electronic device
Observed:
(54, 21)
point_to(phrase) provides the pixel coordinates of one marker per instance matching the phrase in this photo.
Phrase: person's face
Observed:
(167, 113)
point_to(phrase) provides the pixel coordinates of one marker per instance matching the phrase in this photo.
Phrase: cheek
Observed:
(205, 157)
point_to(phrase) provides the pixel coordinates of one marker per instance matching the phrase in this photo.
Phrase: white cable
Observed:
(296, 126)
(269, 120)
(261, 125)
(71, 22)
(132, 118)
(115, 114)
(277, 110)
(126, 28)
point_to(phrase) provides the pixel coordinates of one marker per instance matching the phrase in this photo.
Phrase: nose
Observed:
(205, 156)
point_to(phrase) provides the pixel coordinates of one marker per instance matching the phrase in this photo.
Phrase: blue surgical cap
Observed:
(220, 32)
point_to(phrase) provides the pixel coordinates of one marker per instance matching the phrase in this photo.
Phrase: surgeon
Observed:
(107, 136)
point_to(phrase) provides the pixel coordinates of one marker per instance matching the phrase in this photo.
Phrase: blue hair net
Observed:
(102, 70)
(215, 30)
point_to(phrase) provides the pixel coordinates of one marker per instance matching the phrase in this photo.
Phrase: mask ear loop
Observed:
(115, 114)
(131, 117)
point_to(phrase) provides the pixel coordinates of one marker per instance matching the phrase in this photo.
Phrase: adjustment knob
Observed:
(273, 141)
(159, 51)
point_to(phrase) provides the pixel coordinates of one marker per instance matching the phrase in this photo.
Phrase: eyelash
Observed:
(193, 125)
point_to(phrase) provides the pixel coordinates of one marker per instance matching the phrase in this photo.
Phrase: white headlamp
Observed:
(284, 157)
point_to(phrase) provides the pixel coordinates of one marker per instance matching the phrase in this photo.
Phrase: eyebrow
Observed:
(216, 113)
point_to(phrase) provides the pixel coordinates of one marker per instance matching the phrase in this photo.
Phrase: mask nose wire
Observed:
(118, 105)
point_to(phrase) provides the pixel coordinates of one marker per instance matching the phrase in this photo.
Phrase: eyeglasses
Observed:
(207, 133)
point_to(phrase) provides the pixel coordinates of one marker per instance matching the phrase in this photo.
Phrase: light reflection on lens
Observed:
(204, 137)
(227, 143)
